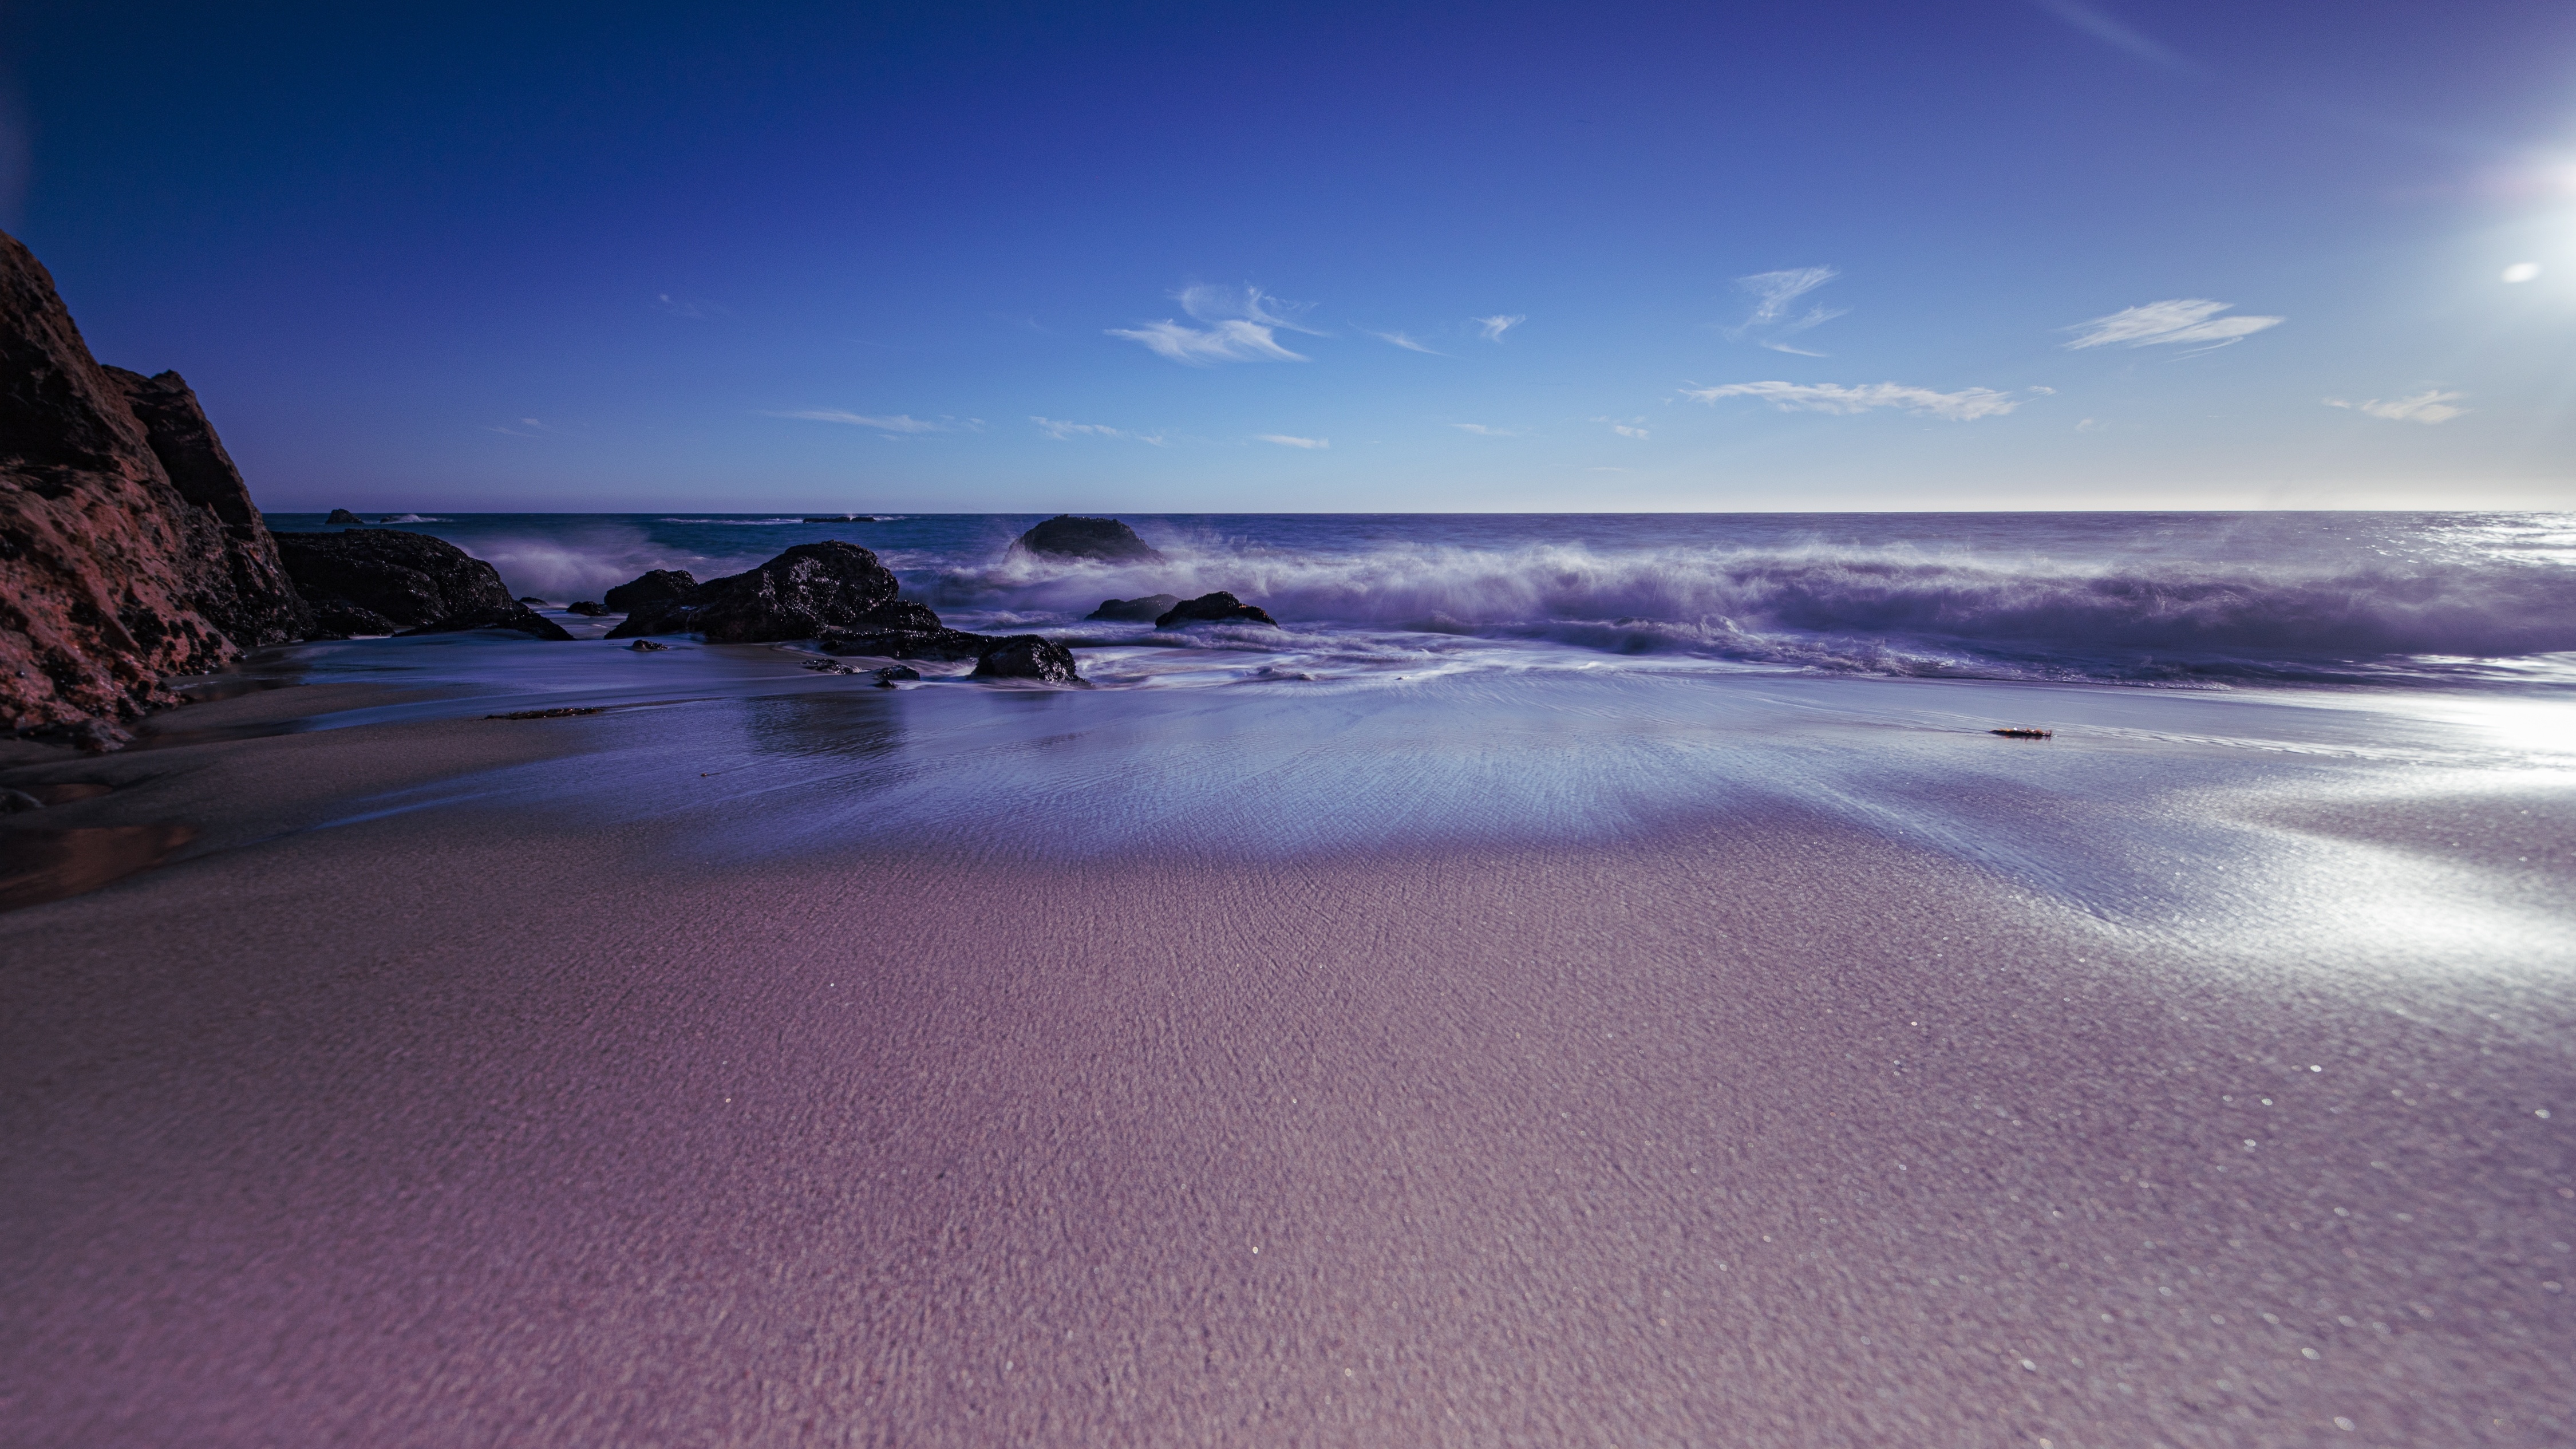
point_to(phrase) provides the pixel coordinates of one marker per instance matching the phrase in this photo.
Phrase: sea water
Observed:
(2253, 715)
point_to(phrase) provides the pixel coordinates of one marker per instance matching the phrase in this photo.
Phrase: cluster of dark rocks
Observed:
(1110, 541)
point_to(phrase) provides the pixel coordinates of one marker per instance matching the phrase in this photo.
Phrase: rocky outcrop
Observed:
(587, 608)
(653, 589)
(112, 576)
(1104, 539)
(810, 590)
(936, 642)
(341, 516)
(1027, 656)
(1132, 611)
(386, 581)
(1217, 608)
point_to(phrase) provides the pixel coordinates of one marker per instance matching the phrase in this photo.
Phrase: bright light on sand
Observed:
(2522, 271)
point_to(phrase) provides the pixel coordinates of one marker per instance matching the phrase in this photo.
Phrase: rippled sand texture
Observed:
(557, 1121)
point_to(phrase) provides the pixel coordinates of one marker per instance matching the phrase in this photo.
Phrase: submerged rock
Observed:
(1106, 539)
(887, 676)
(343, 516)
(1027, 656)
(808, 591)
(1133, 611)
(1217, 608)
(113, 572)
(652, 589)
(587, 608)
(647, 646)
(386, 581)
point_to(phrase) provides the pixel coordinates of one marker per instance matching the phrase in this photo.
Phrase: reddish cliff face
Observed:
(129, 549)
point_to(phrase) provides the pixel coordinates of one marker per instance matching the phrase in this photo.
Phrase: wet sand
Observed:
(483, 1124)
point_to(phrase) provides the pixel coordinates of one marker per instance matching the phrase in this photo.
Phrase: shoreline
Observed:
(483, 1114)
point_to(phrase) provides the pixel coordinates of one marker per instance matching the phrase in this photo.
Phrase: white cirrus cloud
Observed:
(1249, 304)
(1965, 405)
(1228, 341)
(1482, 431)
(2098, 23)
(893, 423)
(1625, 427)
(2177, 321)
(695, 308)
(1400, 339)
(1492, 328)
(1060, 430)
(1775, 295)
(1286, 441)
(2429, 406)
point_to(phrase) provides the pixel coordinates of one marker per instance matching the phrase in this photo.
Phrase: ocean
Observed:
(2179, 600)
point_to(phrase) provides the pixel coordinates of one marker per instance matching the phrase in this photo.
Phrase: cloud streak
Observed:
(1626, 427)
(1482, 431)
(1492, 328)
(893, 425)
(1965, 405)
(2428, 407)
(1775, 295)
(1061, 431)
(2178, 321)
(1399, 339)
(2095, 22)
(1242, 326)
(1287, 441)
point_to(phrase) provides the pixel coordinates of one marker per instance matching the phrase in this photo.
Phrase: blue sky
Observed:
(2003, 253)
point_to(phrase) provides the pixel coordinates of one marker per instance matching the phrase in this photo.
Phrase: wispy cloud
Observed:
(526, 428)
(2179, 321)
(890, 425)
(2098, 23)
(1966, 405)
(693, 307)
(1625, 427)
(1482, 431)
(1060, 430)
(1775, 296)
(2430, 406)
(1242, 326)
(1285, 441)
(1251, 304)
(1492, 328)
(1401, 340)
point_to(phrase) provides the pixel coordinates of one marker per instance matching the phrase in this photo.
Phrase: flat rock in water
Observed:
(1217, 608)
(1133, 611)
(1027, 656)
(1105, 539)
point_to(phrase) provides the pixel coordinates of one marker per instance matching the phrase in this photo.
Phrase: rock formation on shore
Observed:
(340, 516)
(1217, 608)
(129, 549)
(1027, 656)
(1105, 539)
(1132, 611)
(810, 590)
(386, 581)
(654, 589)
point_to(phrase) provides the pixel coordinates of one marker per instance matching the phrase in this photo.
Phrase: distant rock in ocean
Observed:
(386, 581)
(1217, 608)
(652, 589)
(1132, 611)
(588, 608)
(129, 548)
(343, 516)
(1105, 539)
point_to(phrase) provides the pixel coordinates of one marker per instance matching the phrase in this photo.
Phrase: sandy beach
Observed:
(367, 1120)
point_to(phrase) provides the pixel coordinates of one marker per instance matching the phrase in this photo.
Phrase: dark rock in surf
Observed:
(343, 516)
(1027, 656)
(931, 643)
(386, 581)
(887, 676)
(652, 589)
(804, 593)
(647, 646)
(1133, 611)
(1105, 539)
(1217, 608)
(587, 608)
(530, 599)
